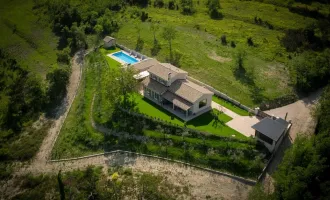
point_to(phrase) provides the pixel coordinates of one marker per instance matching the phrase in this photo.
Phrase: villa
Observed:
(169, 87)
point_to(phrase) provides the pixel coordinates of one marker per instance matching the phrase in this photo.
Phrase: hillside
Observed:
(27, 36)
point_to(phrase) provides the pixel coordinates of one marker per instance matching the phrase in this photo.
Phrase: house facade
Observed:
(270, 131)
(169, 87)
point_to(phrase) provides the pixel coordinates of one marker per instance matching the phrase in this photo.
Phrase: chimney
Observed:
(169, 76)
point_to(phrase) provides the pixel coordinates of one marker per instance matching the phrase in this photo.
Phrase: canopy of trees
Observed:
(310, 70)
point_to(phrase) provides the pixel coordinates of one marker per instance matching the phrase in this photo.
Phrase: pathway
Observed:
(239, 123)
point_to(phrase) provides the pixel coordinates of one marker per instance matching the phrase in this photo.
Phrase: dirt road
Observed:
(44, 153)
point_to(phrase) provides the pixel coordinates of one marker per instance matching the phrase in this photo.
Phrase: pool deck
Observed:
(120, 60)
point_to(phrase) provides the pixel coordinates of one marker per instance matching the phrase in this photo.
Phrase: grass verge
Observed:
(230, 106)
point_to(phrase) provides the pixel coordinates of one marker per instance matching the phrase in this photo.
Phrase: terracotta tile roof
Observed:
(176, 100)
(154, 85)
(188, 90)
(144, 64)
(163, 69)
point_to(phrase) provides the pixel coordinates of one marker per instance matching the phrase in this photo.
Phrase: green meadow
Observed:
(207, 59)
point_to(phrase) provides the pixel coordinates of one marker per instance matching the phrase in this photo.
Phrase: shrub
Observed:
(187, 7)
(171, 5)
(250, 41)
(144, 16)
(159, 3)
(223, 40)
(232, 44)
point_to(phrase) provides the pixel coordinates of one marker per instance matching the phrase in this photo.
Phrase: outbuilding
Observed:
(109, 42)
(270, 131)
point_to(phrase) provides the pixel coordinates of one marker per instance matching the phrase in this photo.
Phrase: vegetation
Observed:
(209, 122)
(77, 136)
(310, 71)
(92, 183)
(230, 106)
(304, 171)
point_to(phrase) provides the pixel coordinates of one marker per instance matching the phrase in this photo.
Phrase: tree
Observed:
(223, 40)
(60, 185)
(169, 34)
(187, 7)
(310, 71)
(57, 79)
(214, 6)
(154, 27)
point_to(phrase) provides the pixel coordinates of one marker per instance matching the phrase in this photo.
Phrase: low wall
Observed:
(220, 94)
(132, 52)
(238, 178)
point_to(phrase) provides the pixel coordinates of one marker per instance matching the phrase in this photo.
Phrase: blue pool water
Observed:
(126, 58)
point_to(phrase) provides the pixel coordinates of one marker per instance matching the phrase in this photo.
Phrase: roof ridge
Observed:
(193, 87)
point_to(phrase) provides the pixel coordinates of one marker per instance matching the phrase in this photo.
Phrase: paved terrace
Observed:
(239, 123)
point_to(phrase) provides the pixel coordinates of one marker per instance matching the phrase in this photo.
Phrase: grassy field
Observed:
(27, 37)
(205, 58)
(205, 122)
(230, 106)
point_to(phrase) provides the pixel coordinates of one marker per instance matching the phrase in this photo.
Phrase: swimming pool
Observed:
(125, 58)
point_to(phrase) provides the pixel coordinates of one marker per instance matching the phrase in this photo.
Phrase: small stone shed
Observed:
(109, 42)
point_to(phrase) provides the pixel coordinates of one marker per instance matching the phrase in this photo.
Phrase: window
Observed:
(202, 103)
(264, 138)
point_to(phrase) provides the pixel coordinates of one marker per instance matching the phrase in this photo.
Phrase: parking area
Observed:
(243, 124)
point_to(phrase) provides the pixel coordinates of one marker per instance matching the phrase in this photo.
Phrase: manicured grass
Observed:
(230, 106)
(111, 62)
(204, 122)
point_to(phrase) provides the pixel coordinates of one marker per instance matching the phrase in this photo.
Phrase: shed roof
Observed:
(188, 90)
(272, 128)
(176, 100)
(108, 39)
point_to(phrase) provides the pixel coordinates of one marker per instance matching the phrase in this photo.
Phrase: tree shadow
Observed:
(139, 45)
(155, 49)
(247, 78)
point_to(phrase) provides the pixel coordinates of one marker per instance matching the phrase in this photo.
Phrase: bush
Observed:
(58, 79)
(250, 41)
(310, 71)
(214, 6)
(187, 7)
(144, 16)
(232, 44)
(171, 5)
(159, 3)
(223, 40)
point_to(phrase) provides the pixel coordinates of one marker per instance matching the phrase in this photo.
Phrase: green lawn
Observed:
(205, 58)
(230, 106)
(204, 122)
(111, 62)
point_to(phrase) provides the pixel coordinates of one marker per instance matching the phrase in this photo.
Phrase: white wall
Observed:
(195, 107)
